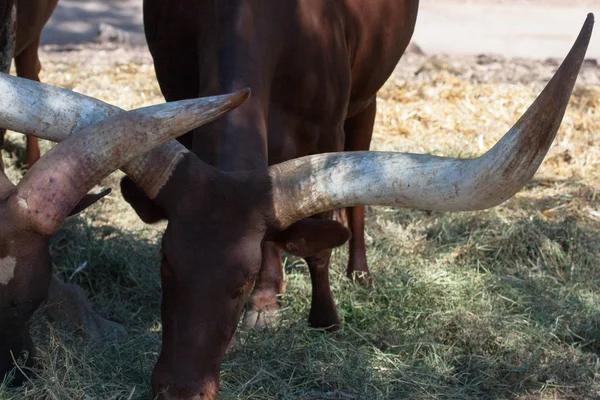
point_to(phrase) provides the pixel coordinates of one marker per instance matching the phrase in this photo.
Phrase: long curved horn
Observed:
(54, 113)
(45, 111)
(55, 184)
(314, 184)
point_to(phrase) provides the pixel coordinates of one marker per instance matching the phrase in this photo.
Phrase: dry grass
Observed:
(501, 303)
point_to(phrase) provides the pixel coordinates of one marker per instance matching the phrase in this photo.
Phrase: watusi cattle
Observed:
(314, 69)
(66, 303)
(34, 209)
(218, 220)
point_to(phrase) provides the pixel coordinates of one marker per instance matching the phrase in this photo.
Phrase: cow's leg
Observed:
(68, 305)
(323, 312)
(28, 66)
(359, 130)
(264, 301)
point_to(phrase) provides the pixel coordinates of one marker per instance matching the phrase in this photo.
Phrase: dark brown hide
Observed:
(31, 15)
(23, 293)
(314, 68)
(25, 270)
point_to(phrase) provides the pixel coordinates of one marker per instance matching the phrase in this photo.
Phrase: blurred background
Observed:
(512, 28)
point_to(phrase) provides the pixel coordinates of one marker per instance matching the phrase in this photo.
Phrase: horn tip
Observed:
(588, 25)
(234, 100)
(241, 96)
(574, 59)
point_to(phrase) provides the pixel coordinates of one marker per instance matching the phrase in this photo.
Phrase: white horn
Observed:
(314, 184)
(54, 185)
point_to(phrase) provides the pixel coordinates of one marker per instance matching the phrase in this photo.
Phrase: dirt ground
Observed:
(511, 28)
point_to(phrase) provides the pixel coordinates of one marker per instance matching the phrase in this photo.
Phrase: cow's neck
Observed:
(231, 61)
(236, 142)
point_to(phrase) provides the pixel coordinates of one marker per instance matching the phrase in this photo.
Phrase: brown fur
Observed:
(23, 293)
(314, 68)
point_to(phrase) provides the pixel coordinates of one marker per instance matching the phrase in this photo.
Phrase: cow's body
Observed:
(310, 65)
(31, 16)
(314, 69)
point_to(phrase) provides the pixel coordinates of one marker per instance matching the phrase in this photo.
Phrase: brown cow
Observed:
(31, 16)
(66, 303)
(218, 220)
(314, 68)
(32, 211)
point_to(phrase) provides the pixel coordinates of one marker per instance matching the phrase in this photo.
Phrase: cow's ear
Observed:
(309, 236)
(144, 207)
(88, 200)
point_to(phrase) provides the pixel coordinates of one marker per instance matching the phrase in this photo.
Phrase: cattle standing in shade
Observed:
(33, 210)
(218, 220)
(20, 34)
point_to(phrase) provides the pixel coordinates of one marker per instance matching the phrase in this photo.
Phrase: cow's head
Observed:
(25, 269)
(211, 256)
(33, 210)
(217, 221)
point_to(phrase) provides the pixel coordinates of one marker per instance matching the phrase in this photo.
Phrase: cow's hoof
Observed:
(326, 324)
(363, 278)
(262, 318)
(322, 316)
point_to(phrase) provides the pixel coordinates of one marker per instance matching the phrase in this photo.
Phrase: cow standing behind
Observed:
(314, 69)
(25, 35)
